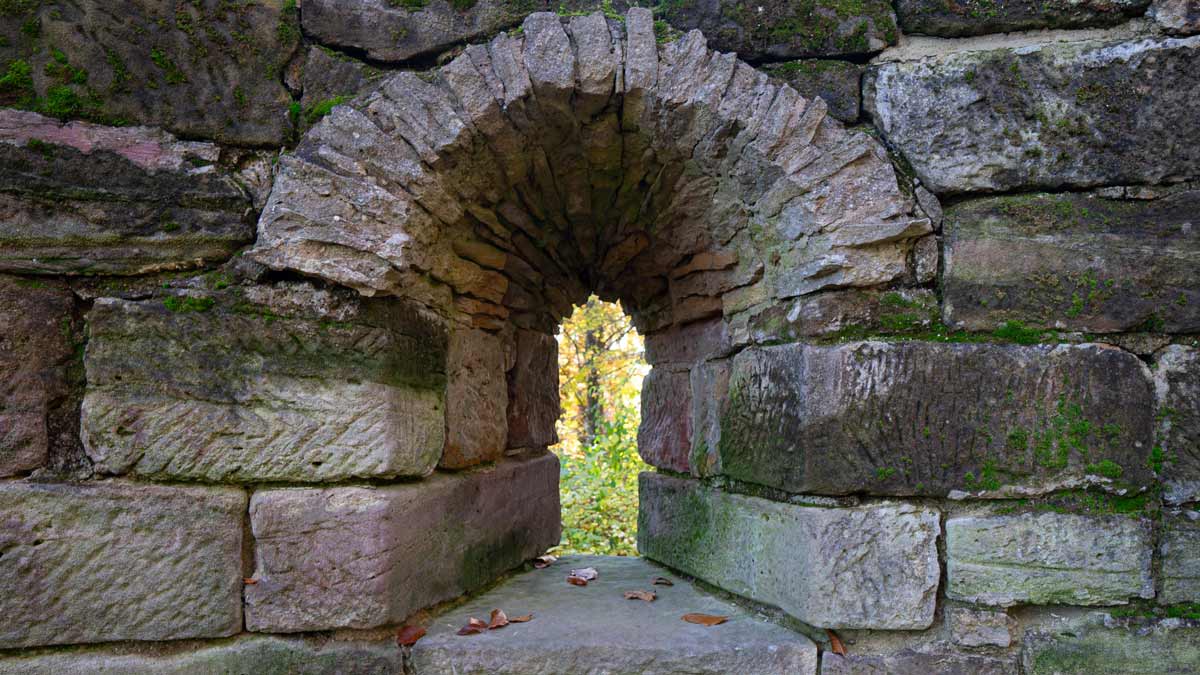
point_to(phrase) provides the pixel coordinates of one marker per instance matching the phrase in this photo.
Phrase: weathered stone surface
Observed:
(1176, 458)
(533, 402)
(79, 198)
(840, 313)
(261, 655)
(596, 630)
(1179, 551)
(927, 418)
(264, 383)
(1181, 17)
(979, 628)
(1048, 559)
(328, 75)
(203, 69)
(361, 557)
(816, 564)
(1154, 648)
(836, 82)
(1040, 114)
(38, 401)
(959, 18)
(476, 399)
(911, 662)
(1074, 261)
(688, 344)
(116, 561)
(665, 432)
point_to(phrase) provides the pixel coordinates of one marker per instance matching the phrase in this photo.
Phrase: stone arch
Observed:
(576, 156)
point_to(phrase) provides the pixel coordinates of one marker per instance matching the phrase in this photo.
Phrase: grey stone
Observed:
(208, 69)
(911, 662)
(594, 629)
(1176, 457)
(1180, 17)
(476, 399)
(117, 561)
(1074, 261)
(533, 402)
(959, 18)
(1179, 551)
(266, 655)
(328, 75)
(1041, 114)
(871, 567)
(264, 383)
(1048, 558)
(922, 418)
(979, 627)
(837, 82)
(79, 198)
(360, 557)
(1155, 648)
(39, 394)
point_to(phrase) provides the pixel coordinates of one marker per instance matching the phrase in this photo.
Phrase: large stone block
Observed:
(1075, 261)
(1048, 559)
(836, 82)
(1176, 457)
(869, 567)
(38, 404)
(922, 418)
(1041, 114)
(959, 18)
(80, 198)
(1154, 648)
(360, 557)
(911, 662)
(1179, 553)
(101, 562)
(207, 68)
(260, 655)
(665, 432)
(533, 402)
(476, 399)
(264, 383)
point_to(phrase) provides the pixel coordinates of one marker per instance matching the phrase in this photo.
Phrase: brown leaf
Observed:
(543, 561)
(249, 582)
(587, 573)
(705, 619)
(521, 619)
(473, 626)
(835, 643)
(648, 596)
(499, 619)
(576, 581)
(407, 636)
(662, 581)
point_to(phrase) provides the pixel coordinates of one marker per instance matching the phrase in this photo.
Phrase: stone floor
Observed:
(595, 629)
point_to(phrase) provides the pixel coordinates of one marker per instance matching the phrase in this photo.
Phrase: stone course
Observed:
(1179, 553)
(1137, 648)
(1177, 458)
(959, 18)
(910, 662)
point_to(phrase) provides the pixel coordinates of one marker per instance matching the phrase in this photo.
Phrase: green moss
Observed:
(62, 102)
(187, 303)
(1017, 332)
(16, 84)
(410, 5)
(884, 473)
(322, 108)
(41, 147)
(1156, 460)
(288, 29)
(172, 72)
(32, 27)
(462, 5)
(170, 226)
(1106, 468)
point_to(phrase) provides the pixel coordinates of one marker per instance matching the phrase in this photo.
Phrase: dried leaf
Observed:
(543, 561)
(407, 636)
(705, 619)
(473, 626)
(648, 596)
(662, 581)
(521, 619)
(499, 619)
(576, 581)
(835, 643)
(587, 573)
(249, 582)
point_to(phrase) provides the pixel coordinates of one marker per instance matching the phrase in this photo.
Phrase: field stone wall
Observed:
(279, 282)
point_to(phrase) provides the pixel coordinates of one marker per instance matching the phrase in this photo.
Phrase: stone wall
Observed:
(279, 282)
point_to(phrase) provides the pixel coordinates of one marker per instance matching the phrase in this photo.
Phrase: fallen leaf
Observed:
(499, 619)
(521, 619)
(835, 643)
(407, 636)
(473, 626)
(640, 595)
(543, 561)
(249, 582)
(662, 581)
(587, 573)
(576, 581)
(705, 619)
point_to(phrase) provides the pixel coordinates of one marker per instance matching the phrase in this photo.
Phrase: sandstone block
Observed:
(836, 82)
(911, 662)
(99, 562)
(476, 399)
(359, 557)
(533, 402)
(1179, 551)
(1176, 457)
(928, 418)
(1148, 649)
(1074, 261)
(258, 384)
(1048, 558)
(979, 628)
(665, 432)
(814, 563)
(959, 19)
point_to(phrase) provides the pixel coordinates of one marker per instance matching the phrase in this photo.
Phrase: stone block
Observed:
(1074, 261)
(837, 82)
(979, 627)
(911, 662)
(359, 557)
(962, 18)
(923, 418)
(1153, 648)
(264, 383)
(38, 404)
(533, 402)
(1048, 559)
(1040, 114)
(665, 433)
(1179, 17)
(99, 562)
(476, 399)
(80, 198)
(689, 343)
(1176, 456)
(1179, 551)
(872, 567)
